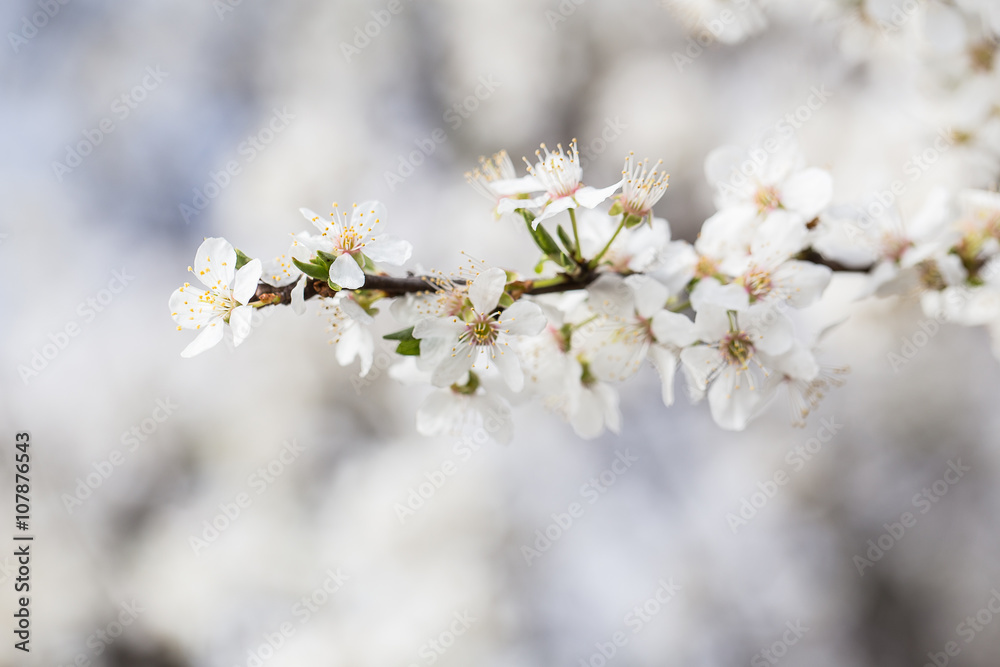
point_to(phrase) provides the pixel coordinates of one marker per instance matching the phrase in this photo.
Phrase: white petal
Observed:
(700, 362)
(710, 293)
(733, 398)
(485, 290)
(329, 225)
(803, 282)
(522, 319)
(345, 272)
(665, 362)
(650, 295)
(509, 366)
(808, 192)
(210, 335)
(187, 310)
(368, 217)
(711, 323)
(215, 263)
(239, 321)
(769, 328)
(245, 282)
(589, 197)
(553, 208)
(440, 413)
(438, 327)
(510, 187)
(674, 329)
(454, 366)
(299, 296)
(388, 249)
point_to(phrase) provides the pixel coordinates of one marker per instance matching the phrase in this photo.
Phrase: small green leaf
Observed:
(567, 241)
(241, 259)
(328, 258)
(334, 286)
(312, 270)
(402, 334)
(409, 348)
(616, 208)
(632, 221)
(506, 301)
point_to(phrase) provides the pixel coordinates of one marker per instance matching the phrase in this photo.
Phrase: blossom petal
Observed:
(299, 296)
(210, 336)
(524, 318)
(438, 327)
(802, 282)
(808, 192)
(589, 197)
(650, 295)
(674, 329)
(454, 366)
(240, 321)
(215, 263)
(368, 216)
(509, 366)
(700, 362)
(245, 282)
(188, 310)
(388, 249)
(733, 399)
(486, 289)
(345, 272)
(709, 292)
(665, 362)
(329, 225)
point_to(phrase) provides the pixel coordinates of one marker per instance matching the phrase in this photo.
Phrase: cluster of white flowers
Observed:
(614, 290)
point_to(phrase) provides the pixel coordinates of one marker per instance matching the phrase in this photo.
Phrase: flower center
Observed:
(757, 283)
(482, 331)
(737, 349)
(894, 247)
(767, 199)
(705, 268)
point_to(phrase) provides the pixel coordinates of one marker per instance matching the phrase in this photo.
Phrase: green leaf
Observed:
(506, 301)
(632, 221)
(328, 258)
(334, 286)
(567, 241)
(616, 208)
(409, 348)
(312, 270)
(241, 259)
(402, 334)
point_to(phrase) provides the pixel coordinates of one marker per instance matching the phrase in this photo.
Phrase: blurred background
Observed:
(243, 507)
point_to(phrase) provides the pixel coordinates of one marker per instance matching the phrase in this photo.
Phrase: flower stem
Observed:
(577, 251)
(597, 258)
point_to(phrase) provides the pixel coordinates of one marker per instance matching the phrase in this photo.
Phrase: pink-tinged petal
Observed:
(664, 361)
(486, 289)
(522, 319)
(345, 272)
(733, 399)
(455, 365)
(700, 363)
(188, 310)
(802, 282)
(240, 321)
(710, 293)
(245, 282)
(388, 249)
(808, 192)
(508, 364)
(589, 197)
(674, 329)
(437, 327)
(215, 263)
(210, 336)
